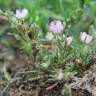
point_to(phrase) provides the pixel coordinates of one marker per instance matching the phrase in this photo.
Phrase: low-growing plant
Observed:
(57, 52)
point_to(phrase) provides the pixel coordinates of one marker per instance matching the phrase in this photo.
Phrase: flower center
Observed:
(55, 25)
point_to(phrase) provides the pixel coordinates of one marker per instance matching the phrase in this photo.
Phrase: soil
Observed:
(25, 84)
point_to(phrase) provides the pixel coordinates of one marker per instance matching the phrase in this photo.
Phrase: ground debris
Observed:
(85, 86)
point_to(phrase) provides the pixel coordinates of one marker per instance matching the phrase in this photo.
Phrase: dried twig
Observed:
(52, 86)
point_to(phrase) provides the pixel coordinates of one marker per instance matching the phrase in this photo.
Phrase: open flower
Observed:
(21, 13)
(69, 40)
(56, 26)
(85, 37)
(89, 38)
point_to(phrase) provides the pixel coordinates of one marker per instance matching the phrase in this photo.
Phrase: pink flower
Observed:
(89, 38)
(69, 40)
(85, 37)
(21, 13)
(56, 26)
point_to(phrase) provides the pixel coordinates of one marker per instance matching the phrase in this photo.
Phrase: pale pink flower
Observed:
(21, 13)
(56, 26)
(88, 38)
(69, 40)
(85, 37)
